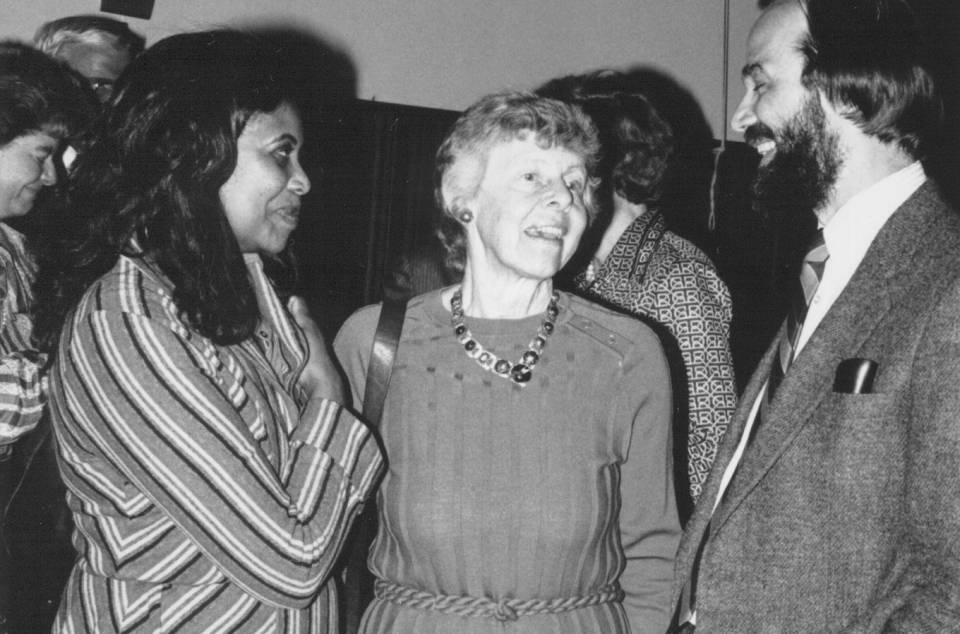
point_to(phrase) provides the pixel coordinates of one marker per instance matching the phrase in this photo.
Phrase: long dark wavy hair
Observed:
(149, 184)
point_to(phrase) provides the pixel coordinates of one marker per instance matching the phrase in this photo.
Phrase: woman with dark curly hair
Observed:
(634, 262)
(528, 430)
(42, 103)
(211, 472)
(42, 106)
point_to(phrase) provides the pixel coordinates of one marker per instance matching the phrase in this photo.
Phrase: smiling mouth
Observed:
(761, 138)
(766, 148)
(546, 232)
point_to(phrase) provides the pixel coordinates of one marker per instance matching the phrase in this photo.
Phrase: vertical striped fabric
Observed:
(22, 389)
(207, 497)
(550, 491)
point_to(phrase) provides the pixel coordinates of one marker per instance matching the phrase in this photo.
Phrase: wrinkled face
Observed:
(101, 64)
(529, 210)
(261, 199)
(26, 167)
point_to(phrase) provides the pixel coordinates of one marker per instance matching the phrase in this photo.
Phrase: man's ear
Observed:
(837, 109)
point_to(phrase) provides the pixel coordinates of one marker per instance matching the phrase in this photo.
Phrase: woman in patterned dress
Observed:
(633, 262)
(530, 483)
(211, 472)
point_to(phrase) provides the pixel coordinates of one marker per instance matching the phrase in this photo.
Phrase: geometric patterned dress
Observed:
(654, 273)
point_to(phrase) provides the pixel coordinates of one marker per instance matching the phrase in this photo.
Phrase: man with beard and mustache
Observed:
(834, 503)
(801, 173)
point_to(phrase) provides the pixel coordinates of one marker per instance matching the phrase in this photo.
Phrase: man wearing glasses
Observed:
(97, 47)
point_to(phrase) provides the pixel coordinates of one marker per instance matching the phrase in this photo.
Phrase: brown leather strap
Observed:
(382, 354)
(357, 579)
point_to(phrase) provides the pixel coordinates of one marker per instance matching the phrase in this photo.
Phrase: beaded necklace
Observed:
(518, 372)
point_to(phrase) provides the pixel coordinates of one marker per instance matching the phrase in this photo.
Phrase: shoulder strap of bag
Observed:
(382, 354)
(357, 579)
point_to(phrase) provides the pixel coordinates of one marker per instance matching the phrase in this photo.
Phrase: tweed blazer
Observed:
(844, 513)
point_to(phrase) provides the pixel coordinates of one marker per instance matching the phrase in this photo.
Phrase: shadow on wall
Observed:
(323, 81)
(317, 73)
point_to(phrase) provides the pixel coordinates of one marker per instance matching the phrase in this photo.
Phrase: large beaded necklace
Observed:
(518, 372)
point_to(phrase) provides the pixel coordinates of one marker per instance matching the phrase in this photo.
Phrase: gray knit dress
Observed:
(543, 508)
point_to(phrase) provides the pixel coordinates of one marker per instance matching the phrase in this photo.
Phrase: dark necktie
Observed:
(800, 297)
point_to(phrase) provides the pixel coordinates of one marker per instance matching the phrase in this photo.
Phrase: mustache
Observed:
(757, 132)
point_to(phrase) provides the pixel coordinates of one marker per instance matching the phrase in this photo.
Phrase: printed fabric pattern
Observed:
(656, 274)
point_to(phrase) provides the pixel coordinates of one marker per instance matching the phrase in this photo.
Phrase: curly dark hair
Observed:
(40, 94)
(149, 184)
(636, 144)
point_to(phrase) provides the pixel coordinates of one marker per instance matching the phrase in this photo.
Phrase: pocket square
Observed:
(855, 376)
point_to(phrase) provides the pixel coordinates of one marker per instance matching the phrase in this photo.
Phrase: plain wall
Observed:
(446, 53)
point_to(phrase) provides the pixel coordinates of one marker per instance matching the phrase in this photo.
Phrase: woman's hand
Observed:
(320, 378)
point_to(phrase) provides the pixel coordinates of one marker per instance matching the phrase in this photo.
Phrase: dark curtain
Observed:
(373, 202)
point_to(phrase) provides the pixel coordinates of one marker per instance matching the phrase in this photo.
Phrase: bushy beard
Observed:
(802, 174)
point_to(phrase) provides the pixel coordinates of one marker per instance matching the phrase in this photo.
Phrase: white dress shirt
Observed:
(847, 235)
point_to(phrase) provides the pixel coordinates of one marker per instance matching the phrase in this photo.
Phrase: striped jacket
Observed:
(208, 494)
(22, 392)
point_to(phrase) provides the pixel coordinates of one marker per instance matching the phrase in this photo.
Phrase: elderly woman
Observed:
(211, 472)
(527, 430)
(637, 264)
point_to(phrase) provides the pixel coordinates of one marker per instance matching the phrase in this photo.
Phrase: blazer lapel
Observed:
(849, 323)
(703, 511)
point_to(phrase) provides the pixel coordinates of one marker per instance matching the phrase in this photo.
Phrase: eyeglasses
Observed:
(102, 87)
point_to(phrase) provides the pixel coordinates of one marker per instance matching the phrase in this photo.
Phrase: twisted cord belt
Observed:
(503, 610)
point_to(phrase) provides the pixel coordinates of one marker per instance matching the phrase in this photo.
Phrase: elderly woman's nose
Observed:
(561, 194)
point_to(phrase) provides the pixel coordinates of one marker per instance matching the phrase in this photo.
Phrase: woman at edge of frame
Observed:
(211, 471)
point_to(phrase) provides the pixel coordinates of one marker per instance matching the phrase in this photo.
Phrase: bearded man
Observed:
(834, 503)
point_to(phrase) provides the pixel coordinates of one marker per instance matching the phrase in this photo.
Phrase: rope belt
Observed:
(503, 610)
